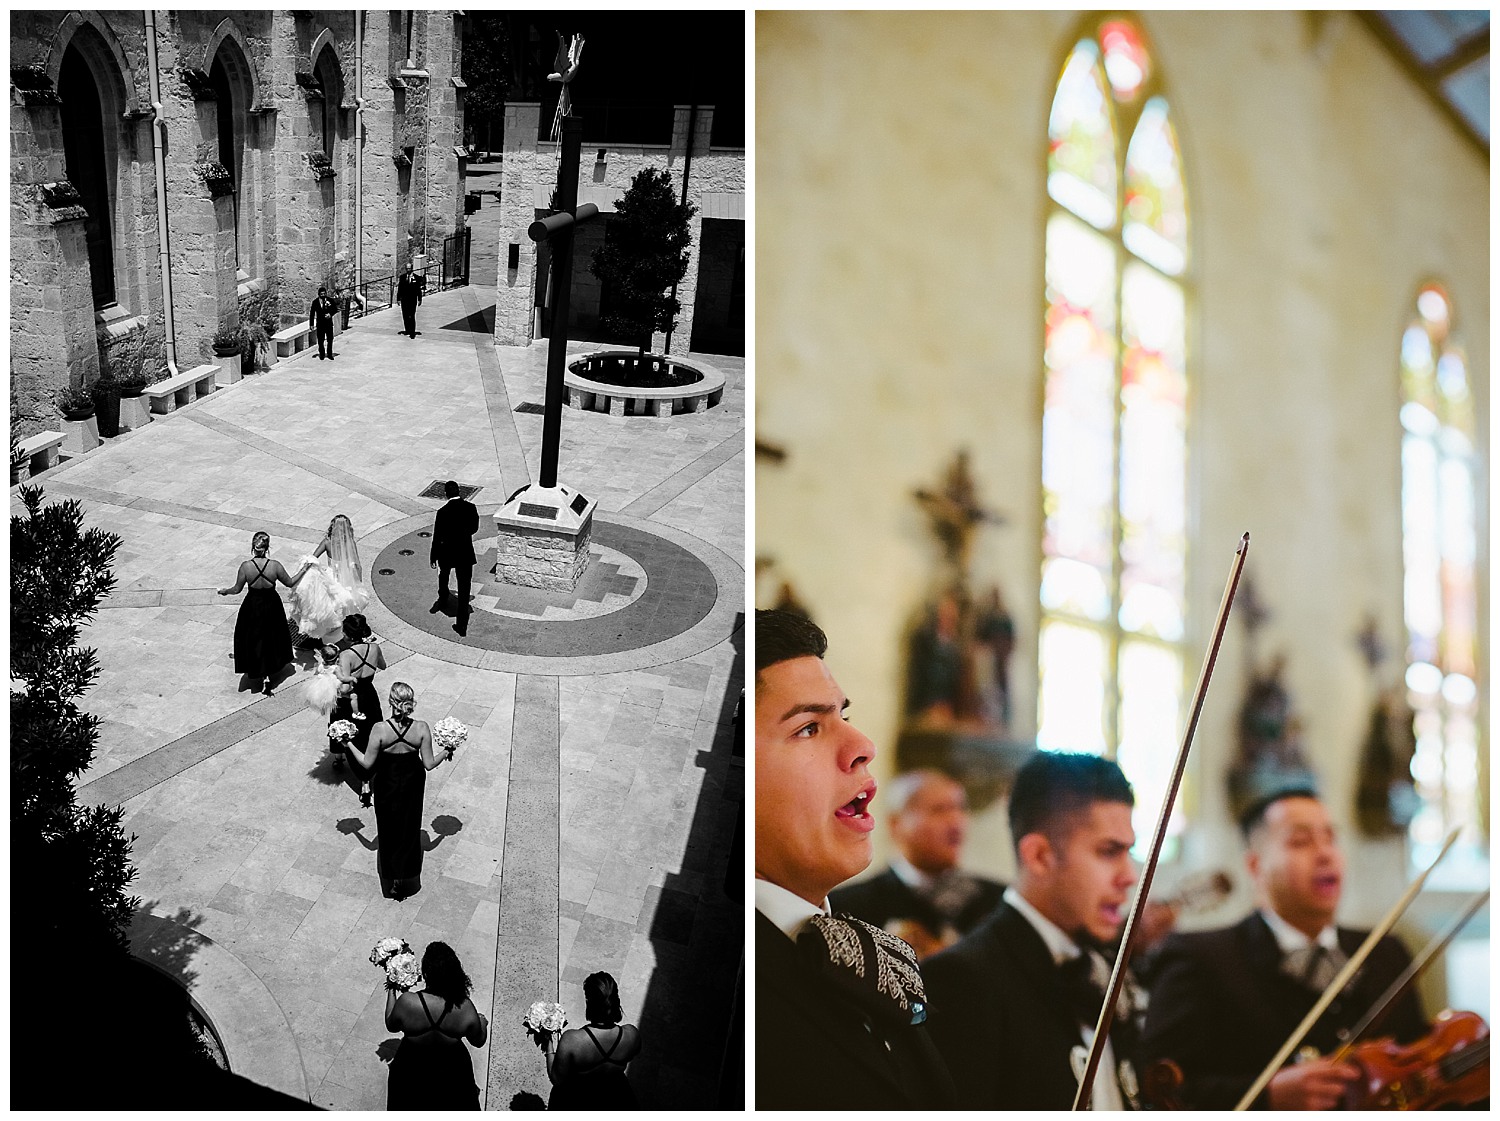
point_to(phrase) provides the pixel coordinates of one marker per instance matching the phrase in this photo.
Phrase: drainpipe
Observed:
(359, 160)
(158, 151)
(687, 168)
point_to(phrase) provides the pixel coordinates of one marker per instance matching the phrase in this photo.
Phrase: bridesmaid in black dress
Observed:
(358, 665)
(587, 1064)
(262, 645)
(432, 1068)
(399, 757)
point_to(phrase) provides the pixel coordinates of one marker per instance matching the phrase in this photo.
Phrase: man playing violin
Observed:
(1224, 1001)
(1016, 1000)
(840, 1007)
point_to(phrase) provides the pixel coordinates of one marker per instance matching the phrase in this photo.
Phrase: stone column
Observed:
(514, 287)
(384, 192)
(52, 340)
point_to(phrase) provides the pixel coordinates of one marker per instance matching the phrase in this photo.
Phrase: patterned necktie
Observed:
(1313, 967)
(877, 969)
(951, 893)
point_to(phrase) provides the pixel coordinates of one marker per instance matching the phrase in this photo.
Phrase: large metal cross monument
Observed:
(544, 528)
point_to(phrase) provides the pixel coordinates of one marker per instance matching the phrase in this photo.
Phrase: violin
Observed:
(1450, 1066)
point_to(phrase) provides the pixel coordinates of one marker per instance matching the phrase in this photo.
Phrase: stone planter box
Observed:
(80, 436)
(229, 367)
(135, 412)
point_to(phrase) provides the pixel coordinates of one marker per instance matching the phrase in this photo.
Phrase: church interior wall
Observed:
(899, 307)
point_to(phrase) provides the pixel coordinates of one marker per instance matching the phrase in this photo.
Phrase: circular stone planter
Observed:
(619, 382)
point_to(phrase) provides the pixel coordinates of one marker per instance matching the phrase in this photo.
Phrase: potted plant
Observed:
(81, 429)
(19, 461)
(257, 350)
(229, 344)
(106, 394)
(75, 403)
(135, 410)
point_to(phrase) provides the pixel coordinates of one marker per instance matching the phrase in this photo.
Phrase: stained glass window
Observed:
(1114, 421)
(1438, 519)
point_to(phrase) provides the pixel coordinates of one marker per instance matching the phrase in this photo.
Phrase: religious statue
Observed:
(1270, 756)
(1386, 799)
(956, 516)
(958, 701)
(564, 70)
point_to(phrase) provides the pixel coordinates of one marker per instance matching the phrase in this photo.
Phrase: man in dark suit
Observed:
(923, 897)
(453, 550)
(1015, 1001)
(1223, 1002)
(839, 1008)
(409, 295)
(320, 319)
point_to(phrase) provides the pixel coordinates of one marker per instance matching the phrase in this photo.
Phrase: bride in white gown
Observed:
(333, 587)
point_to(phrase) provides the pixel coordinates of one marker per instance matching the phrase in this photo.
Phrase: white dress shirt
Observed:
(1106, 1090)
(1289, 939)
(787, 910)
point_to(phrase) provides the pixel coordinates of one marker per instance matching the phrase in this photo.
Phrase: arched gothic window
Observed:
(230, 77)
(1438, 539)
(332, 80)
(1114, 424)
(86, 152)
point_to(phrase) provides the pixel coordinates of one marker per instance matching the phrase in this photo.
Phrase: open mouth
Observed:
(1326, 884)
(1113, 912)
(856, 811)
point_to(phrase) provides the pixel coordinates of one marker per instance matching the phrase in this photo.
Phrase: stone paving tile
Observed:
(242, 827)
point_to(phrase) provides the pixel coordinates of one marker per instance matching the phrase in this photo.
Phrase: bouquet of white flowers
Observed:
(403, 971)
(544, 1016)
(342, 730)
(448, 734)
(388, 948)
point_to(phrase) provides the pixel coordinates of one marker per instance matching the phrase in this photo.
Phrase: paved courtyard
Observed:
(588, 822)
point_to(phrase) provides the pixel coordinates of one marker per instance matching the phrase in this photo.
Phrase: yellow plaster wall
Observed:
(899, 216)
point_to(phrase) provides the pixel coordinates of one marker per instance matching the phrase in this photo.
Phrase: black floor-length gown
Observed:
(262, 645)
(601, 1087)
(398, 783)
(431, 1070)
(367, 700)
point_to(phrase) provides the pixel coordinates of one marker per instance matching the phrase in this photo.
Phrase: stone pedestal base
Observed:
(80, 435)
(135, 412)
(229, 369)
(543, 538)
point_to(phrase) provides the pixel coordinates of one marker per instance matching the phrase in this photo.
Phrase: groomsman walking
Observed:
(453, 551)
(409, 295)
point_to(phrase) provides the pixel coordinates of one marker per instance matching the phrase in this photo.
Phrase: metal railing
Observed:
(450, 270)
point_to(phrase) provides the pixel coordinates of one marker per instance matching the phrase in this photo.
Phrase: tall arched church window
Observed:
(1438, 536)
(231, 115)
(1114, 422)
(84, 153)
(332, 81)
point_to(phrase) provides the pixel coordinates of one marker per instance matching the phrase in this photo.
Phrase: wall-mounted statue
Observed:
(958, 699)
(1270, 756)
(1386, 799)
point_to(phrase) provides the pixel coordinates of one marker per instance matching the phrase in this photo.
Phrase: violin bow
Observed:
(1336, 986)
(1117, 977)
(1409, 974)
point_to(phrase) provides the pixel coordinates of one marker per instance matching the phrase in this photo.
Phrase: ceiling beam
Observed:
(1423, 79)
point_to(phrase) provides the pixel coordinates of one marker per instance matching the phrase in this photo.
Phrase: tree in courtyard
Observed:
(645, 254)
(486, 70)
(69, 864)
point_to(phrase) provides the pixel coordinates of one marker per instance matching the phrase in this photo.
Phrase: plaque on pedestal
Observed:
(542, 538)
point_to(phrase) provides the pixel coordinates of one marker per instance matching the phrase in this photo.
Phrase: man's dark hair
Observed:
(321, 289)
(781, 636)
(450, 488)
(1054, 784)
(1254, 817)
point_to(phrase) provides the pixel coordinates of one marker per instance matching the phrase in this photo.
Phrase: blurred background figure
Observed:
(923, 896)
